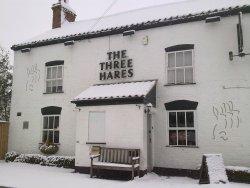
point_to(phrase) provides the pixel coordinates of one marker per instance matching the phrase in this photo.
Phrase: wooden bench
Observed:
(116, 159)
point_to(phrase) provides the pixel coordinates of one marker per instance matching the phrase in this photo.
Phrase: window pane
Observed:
(45, 122)
(181, 119)
(51, 122)
(172, 119)
(179, 75)
(191, 138)
(45, 133)
(171, 60)
(59, 85)
(179, 59)
(182, 138)
(54, 72)
(59, 72)
(188, 58)
(172, 137)
(171, 76)
(189, 75)
(56, 136)
(48, 87)
(50, 136)
(190, 119)
(56, 126)
(54, 86)
(49, 73)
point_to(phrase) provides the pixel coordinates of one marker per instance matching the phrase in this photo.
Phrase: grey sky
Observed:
(23, 19)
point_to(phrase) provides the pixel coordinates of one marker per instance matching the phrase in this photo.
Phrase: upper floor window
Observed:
(54, 77)
(179, 65)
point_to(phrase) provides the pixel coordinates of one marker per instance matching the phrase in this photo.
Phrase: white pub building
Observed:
(171, 80)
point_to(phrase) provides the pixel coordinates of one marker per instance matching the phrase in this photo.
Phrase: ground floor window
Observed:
(51, 128)
(181, 128)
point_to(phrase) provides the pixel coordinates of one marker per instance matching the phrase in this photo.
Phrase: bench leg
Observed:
(133, 174)
(91, 172)
(138, 172)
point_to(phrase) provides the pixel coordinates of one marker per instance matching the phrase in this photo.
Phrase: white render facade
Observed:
(220, 87)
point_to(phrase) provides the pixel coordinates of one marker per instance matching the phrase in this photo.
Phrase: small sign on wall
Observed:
(25, 125)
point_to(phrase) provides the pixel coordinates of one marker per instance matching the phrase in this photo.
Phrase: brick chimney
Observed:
(62, 13)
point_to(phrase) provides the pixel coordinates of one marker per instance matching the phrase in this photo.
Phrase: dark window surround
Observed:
(51, 110)
(179, 47)
(54, 63)
(181, 105)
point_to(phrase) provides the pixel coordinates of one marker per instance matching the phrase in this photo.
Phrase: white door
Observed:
(149, 143)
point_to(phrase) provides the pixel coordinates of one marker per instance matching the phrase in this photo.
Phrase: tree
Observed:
(5, 85)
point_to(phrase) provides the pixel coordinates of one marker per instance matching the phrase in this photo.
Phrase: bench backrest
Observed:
(118, 155)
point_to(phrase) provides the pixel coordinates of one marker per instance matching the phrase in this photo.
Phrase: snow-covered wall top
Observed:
(162, 12)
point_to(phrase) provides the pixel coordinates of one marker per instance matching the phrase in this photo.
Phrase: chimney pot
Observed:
(62, 13)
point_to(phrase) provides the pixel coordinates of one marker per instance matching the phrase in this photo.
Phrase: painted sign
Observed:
(118, 66)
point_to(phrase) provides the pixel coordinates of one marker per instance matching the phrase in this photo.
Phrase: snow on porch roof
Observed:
(107, 94)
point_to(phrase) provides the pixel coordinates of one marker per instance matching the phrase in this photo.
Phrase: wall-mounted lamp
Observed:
(69, 43)
(147, 108)
(213, 19)
(231, 55)
(25, 50)
(130, 32)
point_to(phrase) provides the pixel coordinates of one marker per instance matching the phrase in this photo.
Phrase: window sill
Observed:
(41, 143)
(170, 146)
(99, 143)
(53, 93)
(180, 84)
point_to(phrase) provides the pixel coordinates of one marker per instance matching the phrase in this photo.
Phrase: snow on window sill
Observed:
(45, 93)
(173, 146)
(179, 84)
(41, 143)
(98, 143)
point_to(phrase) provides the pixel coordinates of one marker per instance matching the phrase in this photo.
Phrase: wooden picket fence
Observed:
(4, 133)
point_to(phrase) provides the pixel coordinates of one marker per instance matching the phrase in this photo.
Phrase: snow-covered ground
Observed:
(29, 176)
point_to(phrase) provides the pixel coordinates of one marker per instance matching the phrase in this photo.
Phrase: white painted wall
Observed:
(213, 70)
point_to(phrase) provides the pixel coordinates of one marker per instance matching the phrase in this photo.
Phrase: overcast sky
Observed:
(24, 19)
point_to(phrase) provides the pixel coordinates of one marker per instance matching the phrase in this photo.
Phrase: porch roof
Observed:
(118, 93)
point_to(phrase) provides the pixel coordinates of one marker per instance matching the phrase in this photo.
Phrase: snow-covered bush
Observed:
(11, 156)
(59, 161)
(238, 174)
(49, 149)
(30, 158)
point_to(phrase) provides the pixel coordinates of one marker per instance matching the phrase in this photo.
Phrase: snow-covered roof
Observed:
(116, 91)
(157, 16)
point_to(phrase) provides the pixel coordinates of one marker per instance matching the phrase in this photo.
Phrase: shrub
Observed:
(60, 161)
(49, 148)
(238, 174)
(30, 158)
(11, 156)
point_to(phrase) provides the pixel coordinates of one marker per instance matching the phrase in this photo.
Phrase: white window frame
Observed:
(91, 140)
(58, 129)
(195, 128)
(53, 79)
(175, 68)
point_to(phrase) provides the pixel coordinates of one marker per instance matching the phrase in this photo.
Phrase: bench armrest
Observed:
(135, 158)
(94, 156)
